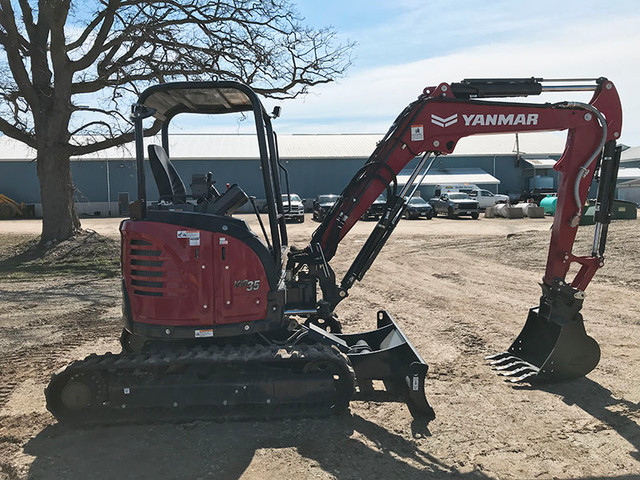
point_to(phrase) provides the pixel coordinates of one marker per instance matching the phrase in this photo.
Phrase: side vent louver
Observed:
(136, 241)
(146, 253)
(146, 273)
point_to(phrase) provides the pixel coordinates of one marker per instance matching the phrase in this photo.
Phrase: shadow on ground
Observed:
(345, 447)
(599, 402)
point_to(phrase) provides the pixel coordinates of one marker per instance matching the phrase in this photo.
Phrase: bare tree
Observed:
(70, 69)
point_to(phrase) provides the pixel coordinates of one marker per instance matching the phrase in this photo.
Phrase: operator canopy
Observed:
(170, 99)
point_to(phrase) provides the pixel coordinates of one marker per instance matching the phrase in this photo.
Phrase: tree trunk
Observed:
(59, 217)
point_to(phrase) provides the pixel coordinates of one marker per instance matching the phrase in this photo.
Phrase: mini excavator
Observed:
(221, 322)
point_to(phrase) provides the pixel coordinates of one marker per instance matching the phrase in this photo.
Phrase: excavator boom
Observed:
(433, 124)
(443, 115)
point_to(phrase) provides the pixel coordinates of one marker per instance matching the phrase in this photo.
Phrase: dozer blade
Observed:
(546, 352)
(385, 354)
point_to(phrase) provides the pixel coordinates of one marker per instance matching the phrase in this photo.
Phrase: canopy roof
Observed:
(169, 99)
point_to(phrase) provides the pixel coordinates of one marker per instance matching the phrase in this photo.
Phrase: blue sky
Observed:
(404, 46)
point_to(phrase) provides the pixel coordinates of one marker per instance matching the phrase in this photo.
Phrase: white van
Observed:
(485, 198)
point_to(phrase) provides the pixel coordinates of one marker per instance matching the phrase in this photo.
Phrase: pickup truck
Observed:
(485, 198)
(537, 194)
(293, 207)
(454, 204)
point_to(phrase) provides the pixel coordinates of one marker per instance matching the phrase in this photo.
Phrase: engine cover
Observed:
(181, 276)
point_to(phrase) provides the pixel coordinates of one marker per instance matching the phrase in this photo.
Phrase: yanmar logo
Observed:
(444, 122)
(500, 119)
(487, 120)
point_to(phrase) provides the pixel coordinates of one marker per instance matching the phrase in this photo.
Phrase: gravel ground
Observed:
(460, 289)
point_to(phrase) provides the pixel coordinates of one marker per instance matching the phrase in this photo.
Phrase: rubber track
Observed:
(252, 358)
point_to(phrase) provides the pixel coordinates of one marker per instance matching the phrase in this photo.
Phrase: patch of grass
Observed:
(86, 253)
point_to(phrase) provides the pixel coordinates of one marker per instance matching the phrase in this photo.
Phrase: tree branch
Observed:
(13, 42)
(92, 55)
(126, 137)
(125, 45)
(11, 131)
(78, 42)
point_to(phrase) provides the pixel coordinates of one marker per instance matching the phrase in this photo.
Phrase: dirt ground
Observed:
(460, 289)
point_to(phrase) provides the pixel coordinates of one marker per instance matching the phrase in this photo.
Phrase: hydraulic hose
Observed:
(585, 167)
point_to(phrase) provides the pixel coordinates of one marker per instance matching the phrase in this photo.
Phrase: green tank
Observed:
(549, 204)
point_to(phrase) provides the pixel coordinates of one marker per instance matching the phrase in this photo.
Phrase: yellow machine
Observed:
(10, 208)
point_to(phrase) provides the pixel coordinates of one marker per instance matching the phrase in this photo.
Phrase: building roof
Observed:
(543, 143)
(304, 146)
(631, 154)
(630, 184)
(12, 150)
(226, 146)
(628, 173)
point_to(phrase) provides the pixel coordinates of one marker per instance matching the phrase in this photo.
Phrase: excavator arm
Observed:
(433, 125)
(443, 115)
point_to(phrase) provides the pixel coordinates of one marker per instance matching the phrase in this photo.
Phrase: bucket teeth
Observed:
(503, 361)
(509, 368)
(497, 356)
(523, 377)
(515, 369)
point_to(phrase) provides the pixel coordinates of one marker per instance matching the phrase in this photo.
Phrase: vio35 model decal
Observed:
(249, 285)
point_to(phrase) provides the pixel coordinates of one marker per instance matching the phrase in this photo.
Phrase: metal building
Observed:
(315, 164)
(629, 178)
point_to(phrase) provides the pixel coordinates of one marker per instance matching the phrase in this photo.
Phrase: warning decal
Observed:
(417, 133)
(192, 235)
(204, 333)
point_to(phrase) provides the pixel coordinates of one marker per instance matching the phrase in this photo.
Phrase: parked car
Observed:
(485, 198)
(536, 194)
(418, 207)
(322, 204)
(454, 204)
(293, 207)
(376, 210)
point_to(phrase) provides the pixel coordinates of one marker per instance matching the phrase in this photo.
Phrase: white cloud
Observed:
(369, 100)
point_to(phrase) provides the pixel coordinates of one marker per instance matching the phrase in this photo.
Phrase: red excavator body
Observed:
(222, 321)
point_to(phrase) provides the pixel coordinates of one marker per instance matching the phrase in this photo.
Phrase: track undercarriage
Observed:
(312, 373)
(212, 382)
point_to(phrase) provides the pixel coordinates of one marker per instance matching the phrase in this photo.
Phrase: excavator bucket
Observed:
(547, 351)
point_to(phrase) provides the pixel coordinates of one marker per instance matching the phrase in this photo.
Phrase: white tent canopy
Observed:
(540, 163)
(475, 176)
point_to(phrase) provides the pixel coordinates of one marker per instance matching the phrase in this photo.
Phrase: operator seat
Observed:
(170, 186)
